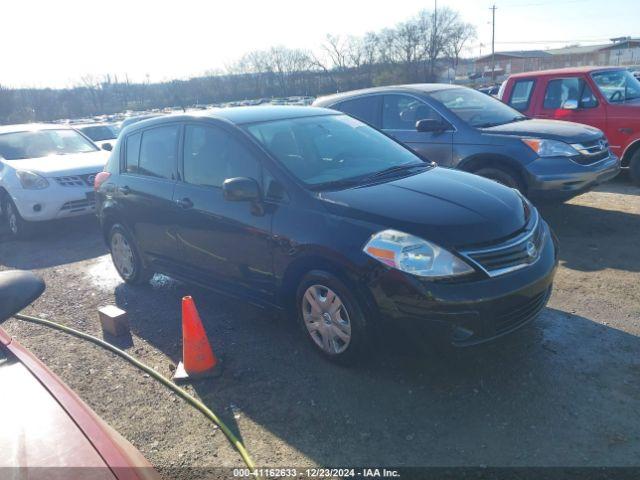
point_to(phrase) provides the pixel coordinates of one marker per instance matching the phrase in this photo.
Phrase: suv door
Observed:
(224, 244)
(400, 113)
(557, 91)
(145, 189)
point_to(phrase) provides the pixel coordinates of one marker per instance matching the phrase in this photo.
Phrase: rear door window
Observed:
(521, 94)
(366, 109)
(560, 90)
(158, 152)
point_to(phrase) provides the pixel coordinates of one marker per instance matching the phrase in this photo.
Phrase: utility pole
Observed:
(493, 43)
(432, 48)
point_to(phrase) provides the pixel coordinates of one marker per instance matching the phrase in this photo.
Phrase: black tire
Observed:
(360, 334)
(505, 176)
(634, 168)
(137, 273)
(17, 227)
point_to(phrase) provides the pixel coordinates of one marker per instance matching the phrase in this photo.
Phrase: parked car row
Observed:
(339, 215)
(463, 128)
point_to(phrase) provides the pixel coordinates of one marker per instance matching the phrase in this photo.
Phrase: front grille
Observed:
(76, 180)
(513, 254)
(521, 313)
(78, 205)
(591, 152)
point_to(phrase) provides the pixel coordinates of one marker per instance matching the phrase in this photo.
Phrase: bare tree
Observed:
(461, 34)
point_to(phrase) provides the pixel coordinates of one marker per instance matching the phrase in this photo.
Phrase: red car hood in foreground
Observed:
(48, 432)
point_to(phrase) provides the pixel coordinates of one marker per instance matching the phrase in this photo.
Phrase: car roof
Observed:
(563, 71)
(239, 115)
(32, 127)
(408, 88)
(95, 124)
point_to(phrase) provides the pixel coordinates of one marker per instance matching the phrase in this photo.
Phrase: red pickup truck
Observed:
(605, 97)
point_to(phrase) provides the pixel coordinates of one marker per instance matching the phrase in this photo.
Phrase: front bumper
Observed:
(556, 178)
(54, 202)
(467, 313)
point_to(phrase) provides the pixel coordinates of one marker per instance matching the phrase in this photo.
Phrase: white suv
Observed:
(46, 172)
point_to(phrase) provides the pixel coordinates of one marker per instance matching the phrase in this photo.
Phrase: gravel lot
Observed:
(563, 392)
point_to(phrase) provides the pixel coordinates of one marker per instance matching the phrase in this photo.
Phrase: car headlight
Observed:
(414, 255)
(31, 181)
(550, 148)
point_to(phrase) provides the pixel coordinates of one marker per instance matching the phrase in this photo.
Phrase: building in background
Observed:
(624, 51)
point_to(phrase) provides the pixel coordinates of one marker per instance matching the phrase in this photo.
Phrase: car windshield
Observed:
(98, 133)
(476, 108)
(617, 86)
(42, 143)
(326, 151)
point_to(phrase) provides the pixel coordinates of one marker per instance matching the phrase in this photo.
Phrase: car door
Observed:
(560, 92)
(401, 112)
(145, 189)
(223, 244)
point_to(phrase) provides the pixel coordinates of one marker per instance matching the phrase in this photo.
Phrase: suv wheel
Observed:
(331, 317)
(17, 226)
(503, 176)
(634, 168)
(126, 257)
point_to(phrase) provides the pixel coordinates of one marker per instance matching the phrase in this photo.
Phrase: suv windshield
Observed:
(98, 133)
(617, 85)
(42, 143)
(476, 108)
(332, 150)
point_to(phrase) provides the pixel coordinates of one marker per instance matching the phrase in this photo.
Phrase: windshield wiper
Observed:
(396, 169)
(519, 118)
(363, 179)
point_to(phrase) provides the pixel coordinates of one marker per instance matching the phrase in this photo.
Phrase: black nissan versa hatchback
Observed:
(309, 209)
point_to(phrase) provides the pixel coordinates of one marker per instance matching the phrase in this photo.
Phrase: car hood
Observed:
(59, 165)
(449, 207)
(552, 129)
(36, 431)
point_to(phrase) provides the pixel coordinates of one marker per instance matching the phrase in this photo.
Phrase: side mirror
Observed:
(107, 146)
(18, 289)
(241, 189)
(570, 105)
(431, 125)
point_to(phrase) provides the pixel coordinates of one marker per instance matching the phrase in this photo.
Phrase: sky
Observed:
(53, 43)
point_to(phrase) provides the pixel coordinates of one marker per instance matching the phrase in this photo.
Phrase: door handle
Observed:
(184, 203)
(125, 190)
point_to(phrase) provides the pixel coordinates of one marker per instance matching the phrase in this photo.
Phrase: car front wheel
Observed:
(503, 176)
(17, 226)
(331, 317)
(126, 257)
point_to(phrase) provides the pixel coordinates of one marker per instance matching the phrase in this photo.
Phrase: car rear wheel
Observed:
(126, 257)
(331, 317)
(16, 225)
(634, 168)
(503, 176)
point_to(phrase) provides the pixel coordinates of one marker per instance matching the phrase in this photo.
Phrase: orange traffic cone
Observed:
(198, 360)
